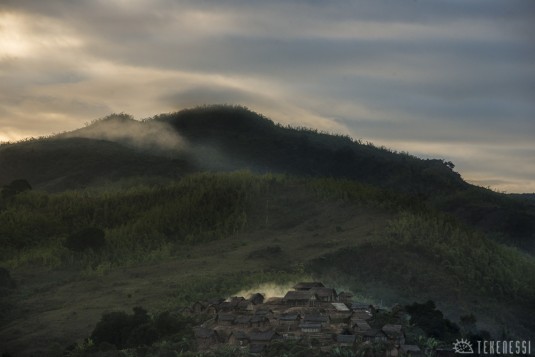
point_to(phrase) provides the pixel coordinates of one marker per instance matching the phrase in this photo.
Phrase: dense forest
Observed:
(229, 201)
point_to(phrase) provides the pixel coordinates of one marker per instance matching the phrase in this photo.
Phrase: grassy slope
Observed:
(209, 225)
(224, 138)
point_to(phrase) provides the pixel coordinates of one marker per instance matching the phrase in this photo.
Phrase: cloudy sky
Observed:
(451, 79)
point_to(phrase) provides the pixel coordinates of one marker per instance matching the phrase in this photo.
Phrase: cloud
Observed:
(412, 74)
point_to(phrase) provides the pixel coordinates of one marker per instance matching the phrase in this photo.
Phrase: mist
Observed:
(148, 135)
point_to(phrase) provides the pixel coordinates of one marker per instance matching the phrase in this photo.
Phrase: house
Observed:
(320, 319)
(259, 321)
(324, 294)
(291, 335)
(263, 337)
(360, 315)
(205, 337)
(197, 307)
(339, 313)
(361, 326)
(231, 304)
(211, 310)
(310, 327)
(374, 335)
(256, 299)
(394, 333)
(223, 333)
(300, 298)
(264, 311)
(243, 321)
(238, 338)
(225, 319)
(345, 297)
(346, 340)
(256, 349)
(304, 286)
(289, 321)
(339, 306)
(245, 305)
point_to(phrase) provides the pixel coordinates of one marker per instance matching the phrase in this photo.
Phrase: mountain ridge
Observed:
(229, 138)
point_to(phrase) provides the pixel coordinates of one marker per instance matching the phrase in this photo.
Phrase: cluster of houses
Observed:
(310, 313)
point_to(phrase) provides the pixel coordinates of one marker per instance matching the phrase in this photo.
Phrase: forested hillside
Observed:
(227, 138)
(211, 201)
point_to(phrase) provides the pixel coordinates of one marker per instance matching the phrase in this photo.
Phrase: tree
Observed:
(15, 187)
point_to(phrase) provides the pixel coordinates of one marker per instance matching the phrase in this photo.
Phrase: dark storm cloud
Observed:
(422, 76)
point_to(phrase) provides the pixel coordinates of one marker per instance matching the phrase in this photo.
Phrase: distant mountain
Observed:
(228, 138)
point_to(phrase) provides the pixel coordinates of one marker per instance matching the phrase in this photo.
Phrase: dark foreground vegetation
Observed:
(387, 226)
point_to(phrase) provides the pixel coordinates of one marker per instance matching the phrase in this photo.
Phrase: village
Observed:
(311, 314)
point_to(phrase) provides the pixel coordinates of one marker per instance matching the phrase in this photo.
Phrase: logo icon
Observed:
(463, 347)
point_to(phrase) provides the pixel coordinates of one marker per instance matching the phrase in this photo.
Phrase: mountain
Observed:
(213, 201)
(229, 138)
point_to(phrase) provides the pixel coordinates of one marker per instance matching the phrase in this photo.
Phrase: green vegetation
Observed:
(432, 321)
(425, 252)
(141, 329)
(227, 138)
(379, 223)
(417, 249)
(87, 238)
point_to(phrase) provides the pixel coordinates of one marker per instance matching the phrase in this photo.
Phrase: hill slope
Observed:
(209, 235)
(225, 138)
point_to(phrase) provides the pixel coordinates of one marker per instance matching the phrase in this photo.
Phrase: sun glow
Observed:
(13, 39)
(23, 36)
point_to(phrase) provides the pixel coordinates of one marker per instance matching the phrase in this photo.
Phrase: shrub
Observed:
(118, 328)
(87, 238)
(15, 187)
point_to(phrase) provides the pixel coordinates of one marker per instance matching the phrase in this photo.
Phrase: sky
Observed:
(448, 79)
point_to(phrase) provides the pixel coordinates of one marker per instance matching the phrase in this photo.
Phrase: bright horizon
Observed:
(448, 80)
